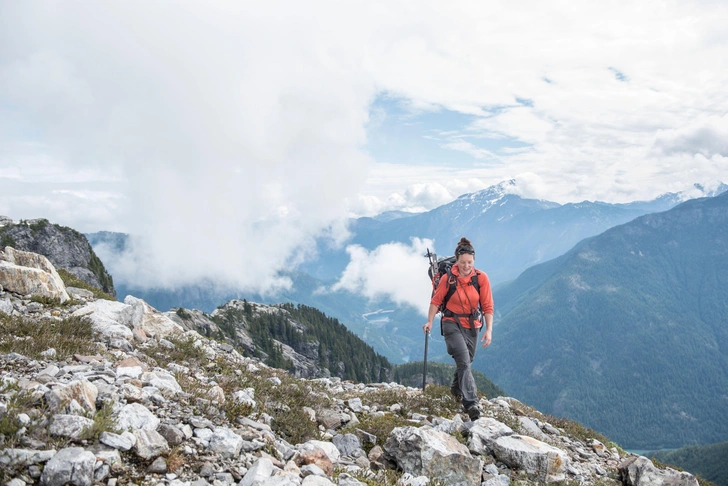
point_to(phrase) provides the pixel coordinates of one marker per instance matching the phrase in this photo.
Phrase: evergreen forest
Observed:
(410, 374)
(339, 350)
(709, 461)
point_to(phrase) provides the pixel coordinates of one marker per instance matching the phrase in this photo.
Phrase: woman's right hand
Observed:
(427, 327)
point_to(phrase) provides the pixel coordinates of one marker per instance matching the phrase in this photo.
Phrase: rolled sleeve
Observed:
(440, 292)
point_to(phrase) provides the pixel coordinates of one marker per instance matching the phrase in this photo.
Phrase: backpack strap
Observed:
(453, 282)
(453, 287)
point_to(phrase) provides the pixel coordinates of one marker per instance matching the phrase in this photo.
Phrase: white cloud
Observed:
(416, 197)
(234, 141)
(707, 136)
(394, 270)
(230, 135)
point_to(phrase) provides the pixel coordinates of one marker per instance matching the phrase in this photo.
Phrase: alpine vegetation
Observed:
(94, 391)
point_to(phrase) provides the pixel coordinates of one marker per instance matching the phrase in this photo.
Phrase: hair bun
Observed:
(464, 246)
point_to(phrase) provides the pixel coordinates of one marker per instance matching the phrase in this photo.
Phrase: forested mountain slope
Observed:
(627, 331)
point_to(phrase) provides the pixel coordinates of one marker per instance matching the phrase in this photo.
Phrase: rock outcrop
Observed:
(304, 357)
(640, 471)
(27, 273)
(178, 409)
(66, 248)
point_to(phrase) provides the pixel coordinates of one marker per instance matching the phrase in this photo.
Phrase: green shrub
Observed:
(18, 403)
(184, 351)
(71, 280)
(284, 402)
(7, 240)
(381, 427)
(104, 421)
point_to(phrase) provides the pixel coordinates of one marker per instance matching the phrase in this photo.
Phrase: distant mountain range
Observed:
(510, 233)
(626, 331)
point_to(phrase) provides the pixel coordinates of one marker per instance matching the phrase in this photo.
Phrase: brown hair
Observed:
(464, 246)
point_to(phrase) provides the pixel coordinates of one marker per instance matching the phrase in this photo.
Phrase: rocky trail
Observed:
(104, 392)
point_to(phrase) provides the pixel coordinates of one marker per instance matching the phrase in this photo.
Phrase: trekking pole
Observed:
(424, 371)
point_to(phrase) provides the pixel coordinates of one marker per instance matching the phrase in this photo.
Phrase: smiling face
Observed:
(465, 263)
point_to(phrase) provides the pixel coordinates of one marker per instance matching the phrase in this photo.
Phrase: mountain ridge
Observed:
(659, 280)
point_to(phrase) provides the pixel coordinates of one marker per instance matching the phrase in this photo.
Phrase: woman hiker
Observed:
(461, 320)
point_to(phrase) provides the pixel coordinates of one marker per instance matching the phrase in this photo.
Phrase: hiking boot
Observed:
(474, 412)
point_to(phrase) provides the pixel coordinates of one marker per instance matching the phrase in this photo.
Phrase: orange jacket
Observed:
(465, 299)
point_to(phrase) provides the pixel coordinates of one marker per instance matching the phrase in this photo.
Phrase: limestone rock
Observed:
(355, 405)
(314, 455)
(639, 471)
(158, 466)
(427, 452)
(24, 457)
(348, 445)
(149, 319)
(483, 434)
(149, 444)
(245, 397)
(536, 458)
(65, 248)
(72, 465)
(162, 380)
(136, 416)
(26, 273)
(83, 392)
(71, 426)
(6, 307)
(409, 480)
(111, 319)
(260, 471)
(530, 428)
(116, 441)
(332, 419)
(80, 294)
(225, 442)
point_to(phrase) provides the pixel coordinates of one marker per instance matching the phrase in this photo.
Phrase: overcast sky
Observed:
(223, 131)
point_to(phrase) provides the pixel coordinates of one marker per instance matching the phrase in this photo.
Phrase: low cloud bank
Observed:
(395, 270)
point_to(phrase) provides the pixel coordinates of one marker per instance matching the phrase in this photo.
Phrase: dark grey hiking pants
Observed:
(461, 346)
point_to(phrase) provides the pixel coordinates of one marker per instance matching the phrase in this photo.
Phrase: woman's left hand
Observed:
(487, 338)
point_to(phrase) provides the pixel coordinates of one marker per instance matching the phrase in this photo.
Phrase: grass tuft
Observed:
(436, 400)
(576, 430)
(175, 460)
(183, 351)
(73, 335)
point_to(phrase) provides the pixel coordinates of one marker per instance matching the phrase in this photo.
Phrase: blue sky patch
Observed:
(401, 134)
(619, 75)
